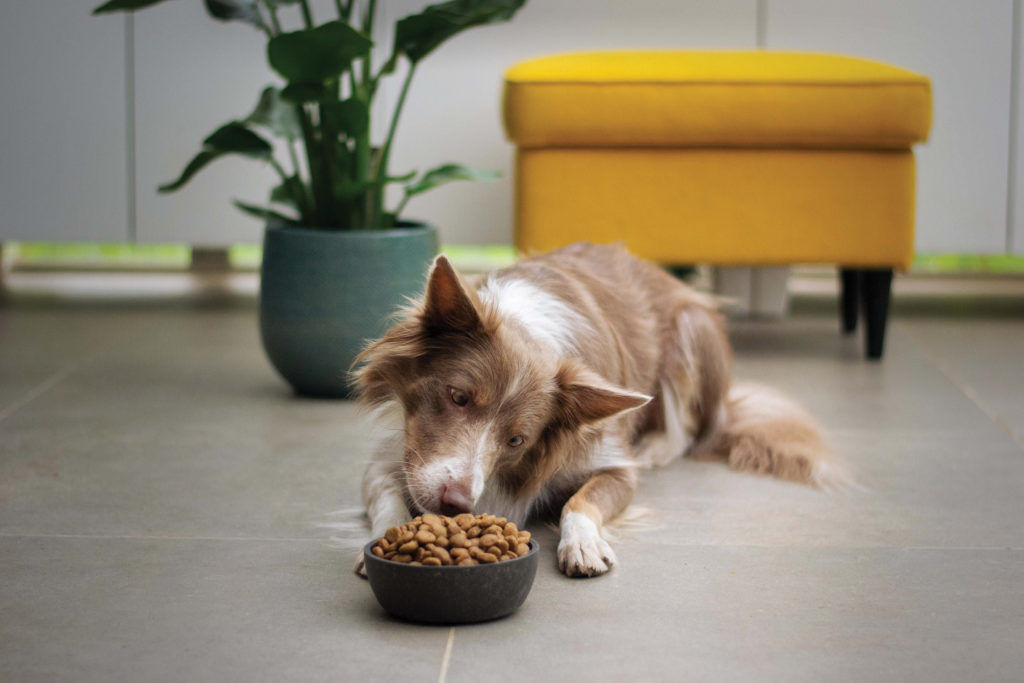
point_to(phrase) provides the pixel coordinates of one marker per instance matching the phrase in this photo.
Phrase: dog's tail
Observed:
(768, 433)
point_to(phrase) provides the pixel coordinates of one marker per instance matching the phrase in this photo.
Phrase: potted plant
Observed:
(336, 261)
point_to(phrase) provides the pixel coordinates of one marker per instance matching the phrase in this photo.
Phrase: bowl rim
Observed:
(534, 549)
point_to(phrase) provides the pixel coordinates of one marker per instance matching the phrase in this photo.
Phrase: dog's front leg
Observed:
(384, 499)
(582, 551)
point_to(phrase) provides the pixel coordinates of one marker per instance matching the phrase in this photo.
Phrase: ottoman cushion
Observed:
(714, 99)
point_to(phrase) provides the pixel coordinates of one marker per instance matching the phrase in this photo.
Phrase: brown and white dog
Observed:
(550, 383)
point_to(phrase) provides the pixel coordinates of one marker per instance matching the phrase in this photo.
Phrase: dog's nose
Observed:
(455, 499)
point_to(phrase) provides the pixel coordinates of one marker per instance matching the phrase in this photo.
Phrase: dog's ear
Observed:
(448, 306)
(585, 397)
(381, 372)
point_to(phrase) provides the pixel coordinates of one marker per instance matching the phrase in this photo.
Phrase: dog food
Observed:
(435, 540)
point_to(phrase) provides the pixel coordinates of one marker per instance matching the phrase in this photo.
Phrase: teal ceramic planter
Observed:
(325, 293)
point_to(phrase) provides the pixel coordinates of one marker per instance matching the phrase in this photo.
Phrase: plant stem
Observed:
(307, 16)
(401, 205)
(363, 141)
(385, 152)
(294, 158)
(273, 17)
(328, 142)
(368, 18)
(280, 169)
(305, 201)
(368, 31)
(344, 9)
(309, 138)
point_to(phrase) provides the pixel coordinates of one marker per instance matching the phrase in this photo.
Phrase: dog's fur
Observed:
(549, 383)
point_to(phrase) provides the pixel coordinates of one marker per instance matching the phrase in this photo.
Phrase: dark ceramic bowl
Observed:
(451, 594)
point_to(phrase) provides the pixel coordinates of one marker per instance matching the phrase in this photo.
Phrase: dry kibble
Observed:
(464, 540)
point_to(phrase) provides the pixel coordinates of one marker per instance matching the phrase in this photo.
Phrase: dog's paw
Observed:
(582, 551)
(360, 567)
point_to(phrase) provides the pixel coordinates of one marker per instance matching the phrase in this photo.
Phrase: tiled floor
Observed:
(160, 492)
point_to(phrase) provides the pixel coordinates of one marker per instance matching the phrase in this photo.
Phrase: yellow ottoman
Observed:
(725, 158)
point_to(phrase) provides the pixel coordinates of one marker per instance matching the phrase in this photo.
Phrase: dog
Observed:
(548, 384)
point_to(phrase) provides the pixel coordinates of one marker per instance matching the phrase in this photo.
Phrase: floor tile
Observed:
(985, 358)
(916, 489)
(76, 609)
(183, 430)
(673, 613)
(160, 490)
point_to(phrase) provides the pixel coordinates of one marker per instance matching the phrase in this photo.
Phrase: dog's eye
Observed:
(515, 441)
(459, 398)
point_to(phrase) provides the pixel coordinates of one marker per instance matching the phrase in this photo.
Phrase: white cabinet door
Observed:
(965, 47)
(1016, 237)
(193, 74)
(453, 111)
(63, 144)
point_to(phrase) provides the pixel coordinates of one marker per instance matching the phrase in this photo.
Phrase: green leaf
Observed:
(231, 138)
(300, 93)
(240, 10)
(405, 177)
(273, 113)
(291, 192)
(420, 34)
(350, 116)
(198, 162)
(318, 54)
(266, 214)
(124, 6)
(446, 174)
(234, 137)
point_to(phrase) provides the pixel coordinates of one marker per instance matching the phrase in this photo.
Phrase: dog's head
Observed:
(484, 405)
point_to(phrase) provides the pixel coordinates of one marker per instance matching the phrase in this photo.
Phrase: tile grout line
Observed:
(144, 537)
(447, 656)
(953, 378)
(264, 539)
(40, 389)
(55, 379)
